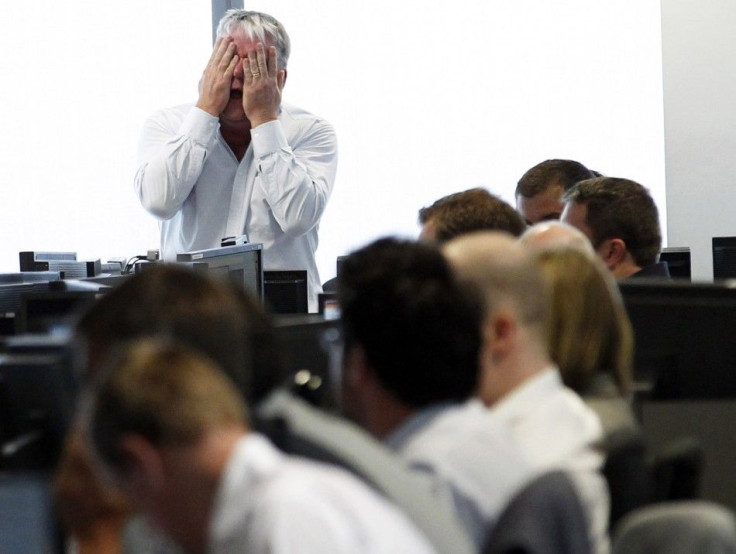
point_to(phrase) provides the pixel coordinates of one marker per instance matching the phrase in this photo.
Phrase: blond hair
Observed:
(167, 393)
(589, 331)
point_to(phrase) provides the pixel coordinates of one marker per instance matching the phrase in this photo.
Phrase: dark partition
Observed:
(684, 333)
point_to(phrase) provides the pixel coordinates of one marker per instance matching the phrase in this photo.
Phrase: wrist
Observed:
(212, 110)
(261, 117)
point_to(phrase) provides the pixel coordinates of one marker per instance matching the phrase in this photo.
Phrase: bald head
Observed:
(551, 235)
(505, 272)
(516, 310)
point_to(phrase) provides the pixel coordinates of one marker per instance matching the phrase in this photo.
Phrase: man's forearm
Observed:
(297, 182)
(172, 162)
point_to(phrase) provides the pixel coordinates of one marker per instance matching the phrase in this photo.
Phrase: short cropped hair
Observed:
(590, 333)
(166, 393)
(551, 173)
(471, 210)
(257, 26)
(503, 271)
(623, 209)
(419, 329)
(168, 300)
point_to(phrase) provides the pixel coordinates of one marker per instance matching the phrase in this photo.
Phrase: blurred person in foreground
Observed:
(520, 383)
(411, 352)
(591, 341)
(174, 301)
(590, 337)
(230, 328)
(171, 429)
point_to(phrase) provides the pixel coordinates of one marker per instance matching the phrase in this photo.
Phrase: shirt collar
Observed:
(252, 459)
(528, 393)
(397, 439)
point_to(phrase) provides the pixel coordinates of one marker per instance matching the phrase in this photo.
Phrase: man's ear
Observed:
(144, 470)
(499, 333)
(281, 78)
(613, 252)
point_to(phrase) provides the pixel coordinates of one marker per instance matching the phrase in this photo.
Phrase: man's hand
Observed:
(214, 86)
(262, 86)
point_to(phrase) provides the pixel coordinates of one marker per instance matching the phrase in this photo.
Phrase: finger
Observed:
(247, 75)
(227, 57)
(261, 57)
(221, 47)
(253, 63)
(230, 69)
(273, 61)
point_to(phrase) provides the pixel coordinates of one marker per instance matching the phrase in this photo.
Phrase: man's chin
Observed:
(233, 114)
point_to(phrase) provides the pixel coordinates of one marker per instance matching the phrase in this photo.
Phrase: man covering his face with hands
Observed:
(240, 161)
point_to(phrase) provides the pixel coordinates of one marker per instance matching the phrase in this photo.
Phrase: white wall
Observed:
(78, 79)
(427, 97)
(700, 123)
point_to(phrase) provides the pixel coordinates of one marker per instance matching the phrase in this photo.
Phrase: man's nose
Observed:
(238, 72)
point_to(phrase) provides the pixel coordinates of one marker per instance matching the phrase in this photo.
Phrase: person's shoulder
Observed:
(171, 116)
(575, 415)
(291, 114)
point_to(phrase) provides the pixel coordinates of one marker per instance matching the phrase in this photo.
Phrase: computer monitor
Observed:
(242, 264)
(45, 311)
(307, 356)
(724, 257)
(47, 306)
(684, 337)
(37, 400)
(10, 305)
(286, 292)
(677, 259)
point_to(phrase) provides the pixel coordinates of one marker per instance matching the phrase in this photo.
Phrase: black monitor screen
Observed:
(305, 344)
(241, 264)
(286, 292)
(678, 262)
(44, 311)
(37, 401)
(684, 335)
(724, 257)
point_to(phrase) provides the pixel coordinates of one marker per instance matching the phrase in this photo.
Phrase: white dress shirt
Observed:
(556, 430)
(472, 453)
(272, 503)
(189, 178)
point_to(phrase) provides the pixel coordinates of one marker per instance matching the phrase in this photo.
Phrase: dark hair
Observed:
(419, 329)
(219, 320)
(550, 173)
(471, 210)
(623, 209)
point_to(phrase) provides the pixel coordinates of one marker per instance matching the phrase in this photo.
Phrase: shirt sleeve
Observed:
(171, 156)
(297, 178)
